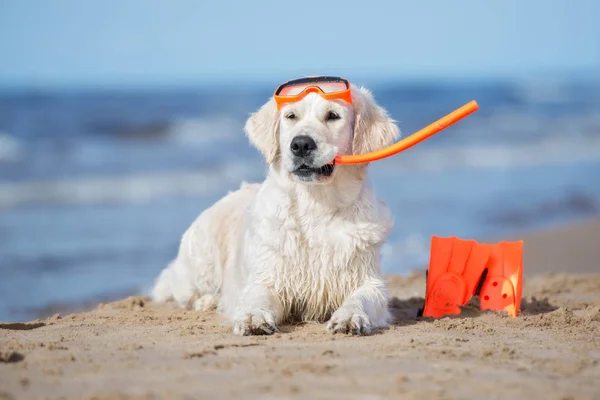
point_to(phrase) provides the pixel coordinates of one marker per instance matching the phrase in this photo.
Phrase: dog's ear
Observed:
(262, 130)
(373, 128)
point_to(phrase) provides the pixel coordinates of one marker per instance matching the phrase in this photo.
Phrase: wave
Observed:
(146, 187)
(546, 152)
(127, 189)
(10, 150)
(205, 130)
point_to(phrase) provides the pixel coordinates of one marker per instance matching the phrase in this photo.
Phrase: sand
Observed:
(131, 349)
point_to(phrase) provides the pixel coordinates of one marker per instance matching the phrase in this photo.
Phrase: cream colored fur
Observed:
(290, 249)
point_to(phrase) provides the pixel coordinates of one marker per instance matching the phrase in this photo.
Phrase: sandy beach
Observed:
(131, 349)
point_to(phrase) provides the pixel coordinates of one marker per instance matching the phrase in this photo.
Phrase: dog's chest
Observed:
(320, 263)
(311, 256)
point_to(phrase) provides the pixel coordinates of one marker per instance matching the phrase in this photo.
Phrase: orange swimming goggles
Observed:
(328, 87)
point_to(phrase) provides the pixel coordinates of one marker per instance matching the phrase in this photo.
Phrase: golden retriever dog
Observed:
(303, 245)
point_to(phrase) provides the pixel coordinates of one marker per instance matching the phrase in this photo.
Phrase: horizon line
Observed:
(257, 81)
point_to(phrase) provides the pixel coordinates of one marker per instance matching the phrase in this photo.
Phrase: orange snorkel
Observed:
(413, 139)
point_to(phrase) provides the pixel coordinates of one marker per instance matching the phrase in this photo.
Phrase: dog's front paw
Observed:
(254, 322)
(347, 320)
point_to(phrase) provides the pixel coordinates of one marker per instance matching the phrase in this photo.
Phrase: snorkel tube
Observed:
(413, 139)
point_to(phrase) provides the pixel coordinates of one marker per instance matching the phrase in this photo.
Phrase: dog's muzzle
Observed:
(302, 148)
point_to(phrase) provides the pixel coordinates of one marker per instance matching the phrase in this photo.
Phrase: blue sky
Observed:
(150, 42)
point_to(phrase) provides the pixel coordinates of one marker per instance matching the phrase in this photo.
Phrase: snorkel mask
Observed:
(328, 87)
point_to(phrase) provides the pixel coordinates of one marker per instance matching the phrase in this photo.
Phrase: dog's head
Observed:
(303, 138)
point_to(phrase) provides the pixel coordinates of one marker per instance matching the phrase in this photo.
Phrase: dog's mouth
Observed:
(306, 171)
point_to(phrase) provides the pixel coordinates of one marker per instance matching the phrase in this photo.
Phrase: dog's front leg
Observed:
(258, 311)
(366, 308)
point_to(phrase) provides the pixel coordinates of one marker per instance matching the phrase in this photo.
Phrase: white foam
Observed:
(10, 150)
(205, 130)
(146, 187)
(546, 152)
(544, 91)
(127, 189)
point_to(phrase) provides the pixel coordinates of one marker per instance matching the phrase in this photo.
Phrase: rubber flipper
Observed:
(459, 268)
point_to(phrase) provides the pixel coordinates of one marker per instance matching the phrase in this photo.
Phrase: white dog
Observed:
(304, 244)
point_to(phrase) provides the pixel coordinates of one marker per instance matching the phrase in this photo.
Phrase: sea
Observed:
(97, 186)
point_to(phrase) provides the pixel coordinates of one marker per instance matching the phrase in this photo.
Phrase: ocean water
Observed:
(96, 188)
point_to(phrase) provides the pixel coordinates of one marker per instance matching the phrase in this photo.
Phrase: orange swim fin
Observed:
(454, 270)
(503, 287)
(459, 269)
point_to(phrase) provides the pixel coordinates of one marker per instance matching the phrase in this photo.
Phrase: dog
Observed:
(303, 245)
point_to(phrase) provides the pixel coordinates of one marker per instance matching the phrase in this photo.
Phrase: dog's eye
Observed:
(332, 116)
(291, 116)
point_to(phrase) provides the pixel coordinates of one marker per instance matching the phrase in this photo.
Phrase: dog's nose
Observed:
(302, 146)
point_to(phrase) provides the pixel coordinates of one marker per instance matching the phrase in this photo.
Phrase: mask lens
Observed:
(294, 89)
(332, 87)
